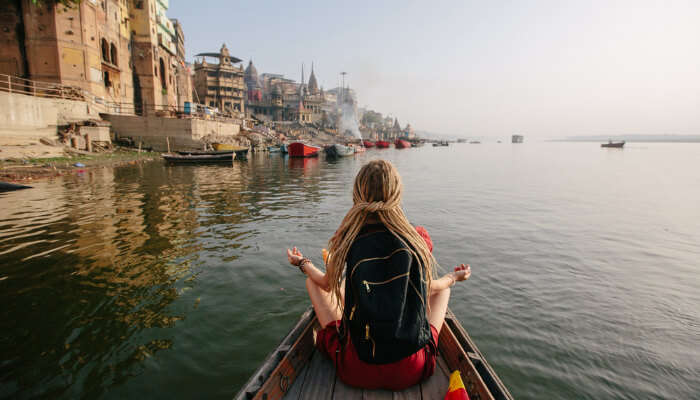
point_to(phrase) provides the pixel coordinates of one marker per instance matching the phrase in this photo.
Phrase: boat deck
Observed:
(295, 370)
(318, 380)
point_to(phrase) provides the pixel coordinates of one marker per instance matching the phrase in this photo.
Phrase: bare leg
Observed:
(438, 307)
(324, 304)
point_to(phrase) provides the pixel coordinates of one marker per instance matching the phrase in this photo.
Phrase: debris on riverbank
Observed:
(28, 169)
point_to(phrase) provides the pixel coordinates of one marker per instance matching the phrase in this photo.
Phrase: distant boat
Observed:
(417, 144)
(227, 147)
(338, 150)
(368, 143)
(517, 138)
(274, 149)
(402, 144)
(298, 149)
(199, 157)
(617, 145)
(441, 143)
(382, 144)
(475, 142)
(358, 148)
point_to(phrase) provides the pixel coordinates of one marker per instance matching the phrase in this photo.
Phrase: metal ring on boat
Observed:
(284, 383)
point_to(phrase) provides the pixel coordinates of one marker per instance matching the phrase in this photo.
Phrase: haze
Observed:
(543, 68)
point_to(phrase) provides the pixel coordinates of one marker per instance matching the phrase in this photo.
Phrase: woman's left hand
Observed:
(462, 272)
(294, 256)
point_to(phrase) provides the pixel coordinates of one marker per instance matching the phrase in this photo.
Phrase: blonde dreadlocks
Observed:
(377, 191)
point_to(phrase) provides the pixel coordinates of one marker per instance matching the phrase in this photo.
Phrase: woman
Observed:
(377, 327)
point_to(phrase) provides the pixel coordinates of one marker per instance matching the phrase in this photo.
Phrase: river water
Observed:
(156, 281)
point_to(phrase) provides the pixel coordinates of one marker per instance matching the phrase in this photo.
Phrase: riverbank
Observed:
(29, 169)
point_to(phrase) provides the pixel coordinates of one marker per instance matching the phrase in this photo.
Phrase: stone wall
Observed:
(155, 132)
(30, 117)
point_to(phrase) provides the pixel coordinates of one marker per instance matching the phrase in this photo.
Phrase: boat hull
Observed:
(401, 144)
(613, 145)
(296, 355)
(382, 144)
(368, 144)
(227, 147)
(199, 158)
(298, 149)
(338, 150)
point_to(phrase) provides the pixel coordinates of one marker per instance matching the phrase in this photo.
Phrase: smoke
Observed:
(348, 120)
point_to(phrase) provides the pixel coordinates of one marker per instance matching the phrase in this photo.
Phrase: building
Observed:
(183, 73)
(154, 56)
(85, 45)
(220, 85)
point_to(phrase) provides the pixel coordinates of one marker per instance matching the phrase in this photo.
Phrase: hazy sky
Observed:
(488, 68)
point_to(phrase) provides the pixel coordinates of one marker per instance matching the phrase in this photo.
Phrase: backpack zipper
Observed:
(369, 338)
(367, 283)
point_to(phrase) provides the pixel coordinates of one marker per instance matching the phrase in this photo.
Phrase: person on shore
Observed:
(377, 327)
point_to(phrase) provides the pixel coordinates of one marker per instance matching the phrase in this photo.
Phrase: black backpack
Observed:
(385, 297)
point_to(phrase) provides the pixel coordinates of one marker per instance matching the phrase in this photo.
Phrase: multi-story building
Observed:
(85, 45)
(154, 55)
(221, 84)
(183, 74)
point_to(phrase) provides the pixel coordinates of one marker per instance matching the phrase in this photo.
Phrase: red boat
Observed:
(382, 144)
(368, 143)
(402, 144)
(298, 149)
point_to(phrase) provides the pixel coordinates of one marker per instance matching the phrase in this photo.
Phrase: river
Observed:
(156, 281)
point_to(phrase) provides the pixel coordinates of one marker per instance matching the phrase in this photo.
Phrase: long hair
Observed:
(377, 191)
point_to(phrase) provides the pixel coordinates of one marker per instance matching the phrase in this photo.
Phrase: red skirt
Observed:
(398, 375)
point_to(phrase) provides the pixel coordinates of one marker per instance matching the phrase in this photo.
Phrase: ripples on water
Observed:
(171, 282)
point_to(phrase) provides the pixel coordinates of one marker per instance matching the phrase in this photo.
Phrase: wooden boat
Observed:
(402, 144)
(200, 157)
(8, 187)
(274, 149)
(298, 149)
(436, 145)
(475, 142)
(382, 144)
(295, 370)
(227, 147)
(338, 150)
(368, 143)
(611, 144)
(417, 144)
(241, 153)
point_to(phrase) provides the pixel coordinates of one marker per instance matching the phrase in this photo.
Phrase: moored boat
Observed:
(227, 147)
(338, 150)
(474, 142)
(296, 370)
(274, 149)
(402, 144)
(8, 187)
(617, 145)
(200, 157)
(359, 148)
(368, 143)
(283, 148)
(241, 152)
(298, 149)
(381, 144)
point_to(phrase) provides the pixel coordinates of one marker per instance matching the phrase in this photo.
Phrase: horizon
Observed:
(546, 69)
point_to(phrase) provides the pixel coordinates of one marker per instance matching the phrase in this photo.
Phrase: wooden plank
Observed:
(341, 391)
(456, 358)
(436, 386)
(295, 391)
(412, 393)
(320, 379)
(377, 394)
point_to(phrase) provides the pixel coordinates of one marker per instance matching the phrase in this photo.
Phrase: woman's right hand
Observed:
(462, 272)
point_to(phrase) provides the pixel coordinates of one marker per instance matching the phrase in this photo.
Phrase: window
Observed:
(113, 54)
(105, 78)
(163, 81)
(211, 74)
(211, 104)
(105, 50)
(212, 88)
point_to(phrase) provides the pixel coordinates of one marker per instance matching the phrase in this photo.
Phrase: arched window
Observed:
(113, 54)
(163, 80)
(105, 50)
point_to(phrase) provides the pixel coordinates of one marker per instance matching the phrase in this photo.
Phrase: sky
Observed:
(478, 69)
